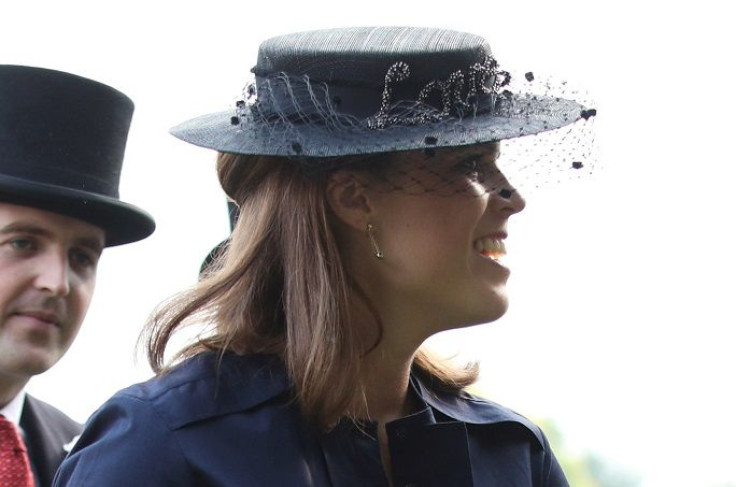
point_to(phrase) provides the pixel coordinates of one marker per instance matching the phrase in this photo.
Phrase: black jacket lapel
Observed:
(47, 430)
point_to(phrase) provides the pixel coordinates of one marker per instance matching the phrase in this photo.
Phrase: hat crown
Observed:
(62, 142)
(365, 71)
(361, 56)
(62, 129)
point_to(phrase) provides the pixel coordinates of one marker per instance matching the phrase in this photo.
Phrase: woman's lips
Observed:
(491, 247)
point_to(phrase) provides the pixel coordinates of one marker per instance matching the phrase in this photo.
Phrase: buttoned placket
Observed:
(423, 452)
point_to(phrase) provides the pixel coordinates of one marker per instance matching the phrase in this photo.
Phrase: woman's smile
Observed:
(491, 246)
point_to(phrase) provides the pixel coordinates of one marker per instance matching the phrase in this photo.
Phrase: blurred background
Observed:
(620, 337)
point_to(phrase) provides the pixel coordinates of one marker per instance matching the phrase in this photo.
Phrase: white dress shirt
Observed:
(14, 408)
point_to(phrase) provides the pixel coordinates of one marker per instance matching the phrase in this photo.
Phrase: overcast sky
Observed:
(621, 329)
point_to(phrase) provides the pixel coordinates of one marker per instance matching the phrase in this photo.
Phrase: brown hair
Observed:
(281, 288)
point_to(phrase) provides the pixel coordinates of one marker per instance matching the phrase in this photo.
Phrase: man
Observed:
(62, 140)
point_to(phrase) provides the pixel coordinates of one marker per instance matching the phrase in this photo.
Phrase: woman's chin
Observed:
(484, 315)
(488, 312)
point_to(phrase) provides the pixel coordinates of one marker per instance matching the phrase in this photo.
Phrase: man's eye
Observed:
(83, 259)
(23, 244)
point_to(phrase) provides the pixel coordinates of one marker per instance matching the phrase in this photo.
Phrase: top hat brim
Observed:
(243, 133)
(122, 222)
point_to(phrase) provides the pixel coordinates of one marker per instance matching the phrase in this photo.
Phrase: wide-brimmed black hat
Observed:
(368, 90)
(62, 141)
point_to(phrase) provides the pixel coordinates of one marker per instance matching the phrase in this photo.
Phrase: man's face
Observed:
(48, 266)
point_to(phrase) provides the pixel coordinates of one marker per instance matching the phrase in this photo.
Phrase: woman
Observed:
(372, 215)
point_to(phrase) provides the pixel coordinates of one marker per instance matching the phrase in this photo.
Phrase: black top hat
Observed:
(370, 90)
(62, 140)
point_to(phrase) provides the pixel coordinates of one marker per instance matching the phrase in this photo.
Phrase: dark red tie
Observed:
(15, 469)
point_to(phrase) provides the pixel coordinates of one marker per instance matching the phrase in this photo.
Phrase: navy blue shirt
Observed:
(238, 425)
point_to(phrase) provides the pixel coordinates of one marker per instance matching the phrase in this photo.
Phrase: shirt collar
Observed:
(464, 407)
(13, 410)
(265, 378)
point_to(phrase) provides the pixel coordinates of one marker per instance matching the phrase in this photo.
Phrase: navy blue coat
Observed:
(239, 426)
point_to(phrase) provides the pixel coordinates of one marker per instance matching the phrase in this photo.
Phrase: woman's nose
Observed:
(511, 199)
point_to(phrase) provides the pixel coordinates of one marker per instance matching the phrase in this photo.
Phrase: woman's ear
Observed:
(349, 199)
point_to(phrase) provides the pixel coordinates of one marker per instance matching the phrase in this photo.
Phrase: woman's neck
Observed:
(385, 383)
(383, 394)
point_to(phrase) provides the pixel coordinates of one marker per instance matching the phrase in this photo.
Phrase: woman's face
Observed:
(441, 222)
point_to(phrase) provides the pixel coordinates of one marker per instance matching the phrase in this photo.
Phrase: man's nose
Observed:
(53, 275)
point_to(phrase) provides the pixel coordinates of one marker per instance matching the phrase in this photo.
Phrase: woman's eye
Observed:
(473, 169)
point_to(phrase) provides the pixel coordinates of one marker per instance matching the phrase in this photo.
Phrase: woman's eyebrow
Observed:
(478, 155)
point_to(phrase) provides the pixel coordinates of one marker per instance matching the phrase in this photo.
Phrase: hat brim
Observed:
(122, 222)
(281, 137)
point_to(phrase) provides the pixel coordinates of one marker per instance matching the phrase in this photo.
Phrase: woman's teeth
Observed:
(490, 247)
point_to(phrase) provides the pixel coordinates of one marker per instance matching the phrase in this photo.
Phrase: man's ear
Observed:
(349, 199)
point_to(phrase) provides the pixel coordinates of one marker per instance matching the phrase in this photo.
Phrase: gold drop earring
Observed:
(376, 249)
